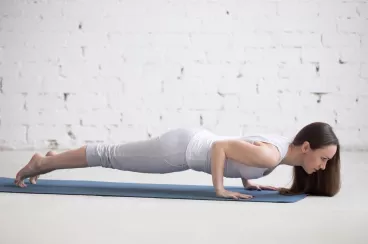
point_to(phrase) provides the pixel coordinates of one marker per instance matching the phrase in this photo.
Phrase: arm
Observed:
(258, 155)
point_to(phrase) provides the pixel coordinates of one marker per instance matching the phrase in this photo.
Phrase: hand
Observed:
(252, 186)
(229, 194)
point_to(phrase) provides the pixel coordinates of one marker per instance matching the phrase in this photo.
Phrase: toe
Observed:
(32, 180)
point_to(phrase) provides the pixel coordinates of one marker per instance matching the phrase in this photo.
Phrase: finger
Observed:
(269, 188)
(240, 195)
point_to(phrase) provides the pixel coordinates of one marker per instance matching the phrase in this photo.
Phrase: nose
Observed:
(323, 166)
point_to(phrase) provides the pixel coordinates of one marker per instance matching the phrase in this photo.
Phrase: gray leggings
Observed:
(162, 154)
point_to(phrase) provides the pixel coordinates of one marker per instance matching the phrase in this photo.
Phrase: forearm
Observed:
(218, 158)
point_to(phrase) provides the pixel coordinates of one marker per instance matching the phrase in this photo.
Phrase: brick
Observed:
(62, 85)
(297, 71)
(9, 24)
(122, 101)
(257, 102)
(88, 134)
(247, 9)
(362, 9)
(10, 39)
(364, 41)
(347, 85)
(46, 133)
(297, 8)
(352, 25)
(338, 40)
(183, 118)
(299, 39)
(301, 100)
(258, 70)
(336, 9)
(76, 69)
(11, 102)
(340, 101)
(279, 120)
(236, 86)
(86, 101)
(11, 133)
(101, 117)
(364, 70)
(339, 70)
(49, 101)
(353, 55)
(142, 117)
(251, 39)
(130, 133)
(19, 117)
(351, 118)
(304, 24)
(313, 114)
(37, 71)
(320, 55)
(202, 101)
(283, 55)
(231, 102)
(58, 117)
(163, 101)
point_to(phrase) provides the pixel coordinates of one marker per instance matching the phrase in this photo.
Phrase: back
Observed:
(199, 154)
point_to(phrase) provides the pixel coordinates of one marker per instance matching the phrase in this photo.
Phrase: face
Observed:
(314, 160)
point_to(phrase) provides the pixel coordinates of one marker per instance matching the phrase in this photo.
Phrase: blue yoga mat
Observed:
(117, 189)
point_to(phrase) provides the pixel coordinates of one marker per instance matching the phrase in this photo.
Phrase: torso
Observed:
(199, 148)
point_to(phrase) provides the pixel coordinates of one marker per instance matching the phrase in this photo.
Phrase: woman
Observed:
(314, 153)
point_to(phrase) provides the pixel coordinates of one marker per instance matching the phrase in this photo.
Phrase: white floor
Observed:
(26, 218)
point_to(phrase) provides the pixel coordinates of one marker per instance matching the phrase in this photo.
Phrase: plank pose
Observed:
(314, 153)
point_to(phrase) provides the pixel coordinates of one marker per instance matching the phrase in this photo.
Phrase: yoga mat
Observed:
(117, 189)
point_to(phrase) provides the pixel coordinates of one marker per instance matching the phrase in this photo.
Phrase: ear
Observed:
(305, 147)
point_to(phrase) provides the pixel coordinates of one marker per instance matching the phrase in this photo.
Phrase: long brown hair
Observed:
(323, 182)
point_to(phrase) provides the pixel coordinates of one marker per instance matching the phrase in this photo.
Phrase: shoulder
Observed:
(277, 144)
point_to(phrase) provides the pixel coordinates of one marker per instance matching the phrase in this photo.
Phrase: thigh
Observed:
(161, 154)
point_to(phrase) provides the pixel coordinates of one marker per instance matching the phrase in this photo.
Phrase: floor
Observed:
(45, 219)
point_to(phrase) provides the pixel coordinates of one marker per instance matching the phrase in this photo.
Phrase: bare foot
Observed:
(34, 179)
(32, 170)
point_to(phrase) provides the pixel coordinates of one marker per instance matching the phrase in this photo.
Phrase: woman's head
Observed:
(319, 172)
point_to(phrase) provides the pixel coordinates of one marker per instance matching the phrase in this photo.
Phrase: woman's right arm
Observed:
(259, 154)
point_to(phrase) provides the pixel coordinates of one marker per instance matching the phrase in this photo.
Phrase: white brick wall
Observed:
(74, 72)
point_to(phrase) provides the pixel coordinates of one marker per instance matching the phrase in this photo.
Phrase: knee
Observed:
(98, 155)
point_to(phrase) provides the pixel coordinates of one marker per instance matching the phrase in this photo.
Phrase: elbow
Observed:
(217, 147)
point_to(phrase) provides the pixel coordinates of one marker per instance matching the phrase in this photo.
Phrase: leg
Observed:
(162, 154)
(41, 165)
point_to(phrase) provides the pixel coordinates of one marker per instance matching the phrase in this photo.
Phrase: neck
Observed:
(293, 157)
